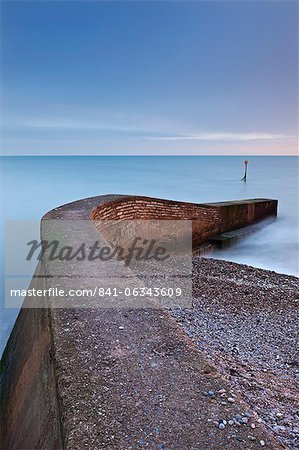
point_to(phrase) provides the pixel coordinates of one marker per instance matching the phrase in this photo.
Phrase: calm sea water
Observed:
(31, 186)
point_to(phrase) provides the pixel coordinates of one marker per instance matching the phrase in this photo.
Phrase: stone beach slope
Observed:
(245, 322)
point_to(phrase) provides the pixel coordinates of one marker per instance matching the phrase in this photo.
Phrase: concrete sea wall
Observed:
(75, 378)
(30, 416)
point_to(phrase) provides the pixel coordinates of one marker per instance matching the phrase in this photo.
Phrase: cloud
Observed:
(57, 124)
(90, 119)
(155, 129)
(223, 137)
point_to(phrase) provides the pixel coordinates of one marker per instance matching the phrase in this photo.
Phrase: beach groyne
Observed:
(78, 378)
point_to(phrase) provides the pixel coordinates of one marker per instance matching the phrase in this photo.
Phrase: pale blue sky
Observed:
(149, 77)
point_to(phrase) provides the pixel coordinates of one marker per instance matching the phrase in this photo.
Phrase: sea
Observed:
(33, 185)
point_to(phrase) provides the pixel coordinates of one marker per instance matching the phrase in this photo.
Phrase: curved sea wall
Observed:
(77, 378)
(208, 220)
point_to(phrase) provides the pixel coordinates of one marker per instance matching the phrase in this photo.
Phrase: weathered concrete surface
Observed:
(111, 379)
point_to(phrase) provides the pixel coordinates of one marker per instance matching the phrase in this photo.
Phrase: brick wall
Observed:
(207, 219)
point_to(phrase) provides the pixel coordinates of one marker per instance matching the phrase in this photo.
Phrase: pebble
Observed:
(221, 426)
(237, 420)
(231, 400)
(211, 394)
(244, 420)
(221, 391)
(263, 443)
(231, 422)
(121, 328)
(252, 425)
(279, 428)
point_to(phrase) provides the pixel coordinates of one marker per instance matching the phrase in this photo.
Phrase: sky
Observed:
(165, 77)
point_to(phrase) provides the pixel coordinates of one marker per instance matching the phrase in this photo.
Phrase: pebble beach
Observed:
(245, 321)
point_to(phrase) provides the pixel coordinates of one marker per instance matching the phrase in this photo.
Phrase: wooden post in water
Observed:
(245, 174)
